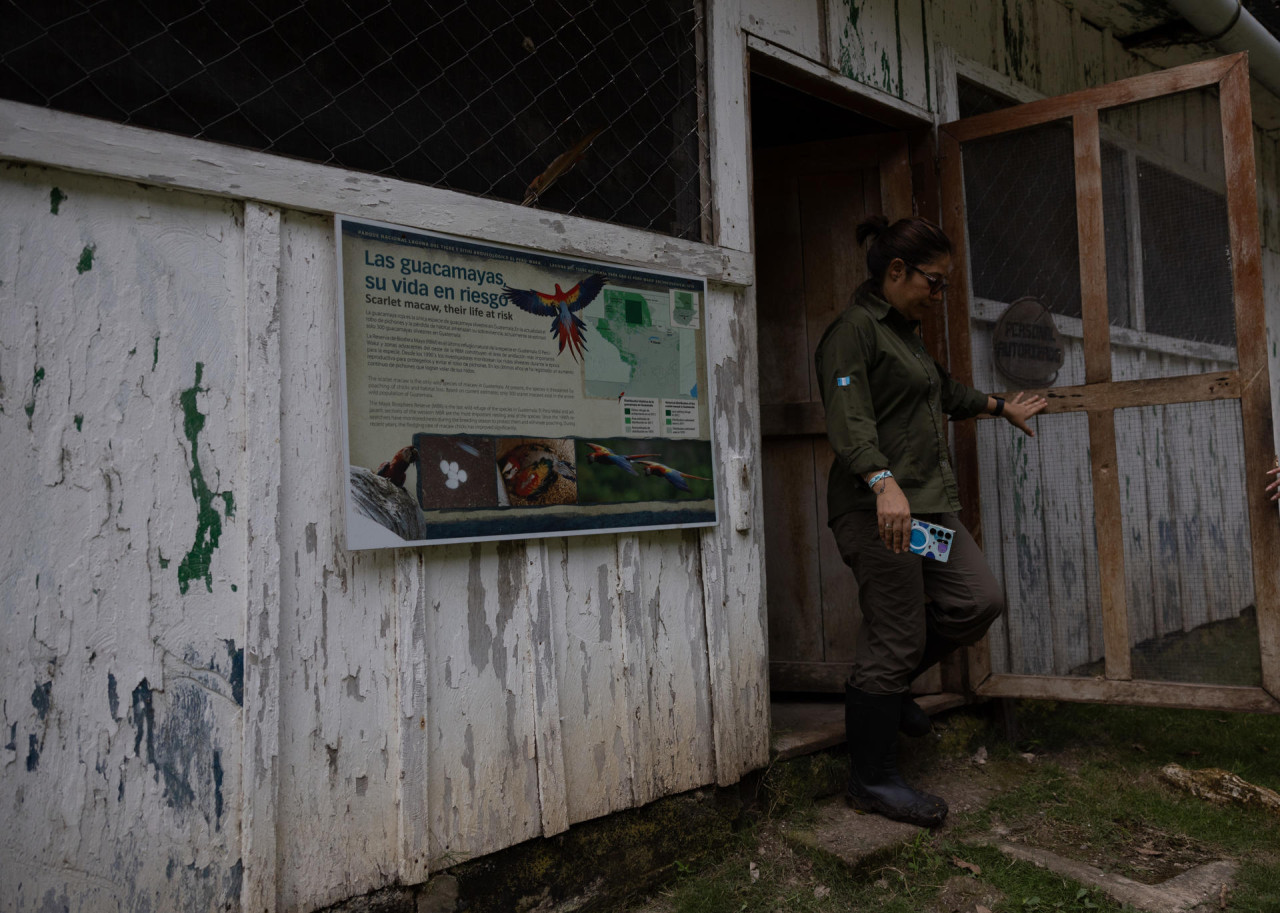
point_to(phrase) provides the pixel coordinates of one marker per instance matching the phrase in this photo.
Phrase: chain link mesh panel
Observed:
(590, 108)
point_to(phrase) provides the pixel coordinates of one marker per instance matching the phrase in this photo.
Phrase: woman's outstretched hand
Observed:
(1022, 406)
(1274, 488)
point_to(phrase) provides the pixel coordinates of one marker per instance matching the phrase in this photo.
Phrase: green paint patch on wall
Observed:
(155, 354)
(86, 260)
(56, 196)
(30, 407)
(79, 422)
(197, 562)
(164, 562)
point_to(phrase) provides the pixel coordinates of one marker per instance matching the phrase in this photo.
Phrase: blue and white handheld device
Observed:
(931, 540)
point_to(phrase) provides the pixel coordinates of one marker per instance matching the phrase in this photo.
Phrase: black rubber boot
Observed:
(871, 727)
(913, 721)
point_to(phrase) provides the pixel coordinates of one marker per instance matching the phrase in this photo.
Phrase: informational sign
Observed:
(1025, 343)
(498, 393)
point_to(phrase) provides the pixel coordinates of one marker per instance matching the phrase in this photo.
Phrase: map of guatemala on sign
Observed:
(637, 351)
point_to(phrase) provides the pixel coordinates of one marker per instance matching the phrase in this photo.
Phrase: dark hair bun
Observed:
(870, 227)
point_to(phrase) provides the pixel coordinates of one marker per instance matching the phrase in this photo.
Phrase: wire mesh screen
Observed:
(1019, 191)
(1038, 538)
(1168, 251)
(591, 108)
(1188, 560)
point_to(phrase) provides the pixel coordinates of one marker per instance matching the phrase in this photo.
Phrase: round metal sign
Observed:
(1026, 345)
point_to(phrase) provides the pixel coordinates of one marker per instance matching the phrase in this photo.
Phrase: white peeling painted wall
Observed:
(122, 549)
(207, 702)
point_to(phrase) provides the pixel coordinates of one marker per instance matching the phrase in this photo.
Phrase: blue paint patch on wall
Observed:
(33, 755)
(217, 789)
(40, 699)
(237, 672)
(113, 697)
(144, 721)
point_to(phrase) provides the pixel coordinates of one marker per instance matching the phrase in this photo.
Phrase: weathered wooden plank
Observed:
(781, 285)
(1090, 224)
(1175, 387)
(542, 579)
(590, 661)
(1256, 408)
(1149, 694)
(483, 770)
(841, 613)
(161, 159)
(260, 757)
(1110, 535)
(732, 564)
(821, 82)
(792, 564)
(665, 648)
(796, 26)
(339, 618)
(730, 141)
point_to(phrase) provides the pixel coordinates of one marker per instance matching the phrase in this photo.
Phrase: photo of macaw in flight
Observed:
(601, 454)
(564, 307)
(674, 476)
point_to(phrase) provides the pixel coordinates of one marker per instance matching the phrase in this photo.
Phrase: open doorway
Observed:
(818, 169)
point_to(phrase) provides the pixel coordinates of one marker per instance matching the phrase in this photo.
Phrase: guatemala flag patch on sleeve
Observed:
(842, 381)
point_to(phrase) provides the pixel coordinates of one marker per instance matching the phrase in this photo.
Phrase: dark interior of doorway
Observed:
(783, 116)
(815, 174)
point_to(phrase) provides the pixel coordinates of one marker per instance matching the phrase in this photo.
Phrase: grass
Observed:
(1092, 791)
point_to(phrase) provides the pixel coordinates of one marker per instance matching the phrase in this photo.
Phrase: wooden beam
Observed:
(91, 146)
(960, 352)
(789, 68)
(1109, 528)
(1093, 250)
(1145, 693)
(1251, 336)
(1126, 91)
(1156, 391)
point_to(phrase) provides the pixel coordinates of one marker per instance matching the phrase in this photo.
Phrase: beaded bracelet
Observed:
(879, 477)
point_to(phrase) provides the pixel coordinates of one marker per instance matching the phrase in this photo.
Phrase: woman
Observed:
(886, 402)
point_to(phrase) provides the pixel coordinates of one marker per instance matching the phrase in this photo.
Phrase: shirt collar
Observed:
(871, 299)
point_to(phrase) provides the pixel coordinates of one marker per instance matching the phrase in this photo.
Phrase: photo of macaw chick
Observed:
(397, 468)
(537, 472)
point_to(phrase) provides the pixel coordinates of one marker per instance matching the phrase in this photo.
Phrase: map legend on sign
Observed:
(640, 416)
(679, 418)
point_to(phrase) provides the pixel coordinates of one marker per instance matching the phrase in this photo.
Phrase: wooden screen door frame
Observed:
(1099, 396)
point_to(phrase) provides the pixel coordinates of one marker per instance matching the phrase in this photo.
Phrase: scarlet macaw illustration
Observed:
(397, 467)
(563, 306)
(601, 454)
(674, 476)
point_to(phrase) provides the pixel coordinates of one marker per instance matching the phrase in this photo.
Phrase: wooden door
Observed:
(808, 200)
(1149, 466)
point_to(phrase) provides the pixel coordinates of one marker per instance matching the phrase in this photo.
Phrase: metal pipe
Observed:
(1232, 28)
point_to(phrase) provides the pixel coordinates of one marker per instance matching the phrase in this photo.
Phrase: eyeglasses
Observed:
(936, 283)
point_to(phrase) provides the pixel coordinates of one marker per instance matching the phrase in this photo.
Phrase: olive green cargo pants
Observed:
(908, 600)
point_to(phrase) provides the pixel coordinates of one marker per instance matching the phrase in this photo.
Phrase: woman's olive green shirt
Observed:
(886, 401)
